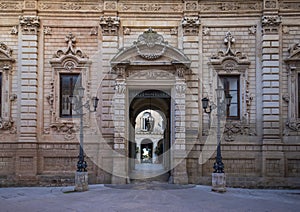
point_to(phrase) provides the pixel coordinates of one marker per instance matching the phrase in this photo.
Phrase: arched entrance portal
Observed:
(149, 155)
(150, 63)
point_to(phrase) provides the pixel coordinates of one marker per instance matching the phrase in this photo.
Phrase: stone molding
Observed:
(29, 24)
(293, 64)
(6, 67)
(110, 25)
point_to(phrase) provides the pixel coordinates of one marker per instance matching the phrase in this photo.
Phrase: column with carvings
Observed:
(179, 146)
(28, 77)
(119, 153)
(270, 72)
(191, 46)
(272, 130)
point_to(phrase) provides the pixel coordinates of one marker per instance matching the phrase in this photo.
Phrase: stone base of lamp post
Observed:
(81, 181)
(218, 182)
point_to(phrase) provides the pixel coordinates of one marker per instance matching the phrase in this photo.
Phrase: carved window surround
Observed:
(293, 62)
(66, 61)
(6, 68)
(229, 62)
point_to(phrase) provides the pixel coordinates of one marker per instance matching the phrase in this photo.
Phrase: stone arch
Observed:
(150, 63)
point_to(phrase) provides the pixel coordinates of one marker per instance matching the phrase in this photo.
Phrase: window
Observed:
(232, 86)
(67, 86)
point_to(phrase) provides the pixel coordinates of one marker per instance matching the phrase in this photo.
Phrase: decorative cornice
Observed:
(190, 25)
(110, 25)
(29, 24)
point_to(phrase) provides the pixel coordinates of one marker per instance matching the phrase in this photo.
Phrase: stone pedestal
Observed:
(218, 182)
(81, 181)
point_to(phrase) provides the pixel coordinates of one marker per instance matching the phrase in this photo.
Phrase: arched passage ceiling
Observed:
(150, 49)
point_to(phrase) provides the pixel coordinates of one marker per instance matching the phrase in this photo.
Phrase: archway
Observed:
(150, 63)
(154, 106)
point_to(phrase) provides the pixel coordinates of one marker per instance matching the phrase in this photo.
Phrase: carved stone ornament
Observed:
(190, 25)
(5, 50)
(234, 128)
(70, 50)
(150, 45)
(14, 30)
(293, 124)
(271, 24)
(229, 60)
(29, 24)
(6, 124)
(110, 25)
(67, 128)
(120, 87)
(271, 20)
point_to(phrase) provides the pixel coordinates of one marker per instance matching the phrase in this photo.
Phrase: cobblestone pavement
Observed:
(146, 197)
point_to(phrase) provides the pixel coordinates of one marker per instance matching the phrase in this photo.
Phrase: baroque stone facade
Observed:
(159, 55)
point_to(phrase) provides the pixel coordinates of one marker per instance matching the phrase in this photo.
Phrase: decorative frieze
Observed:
(70, 6)
(110, 25)
(29, 24)
(190, 25)
(221, 6)
(150, 7)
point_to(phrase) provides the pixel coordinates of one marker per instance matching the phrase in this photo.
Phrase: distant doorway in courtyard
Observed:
(149, 145)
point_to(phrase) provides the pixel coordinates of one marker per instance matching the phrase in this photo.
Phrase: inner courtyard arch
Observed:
(147, 159)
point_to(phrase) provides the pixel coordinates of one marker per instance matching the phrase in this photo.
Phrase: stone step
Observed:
(148, 173)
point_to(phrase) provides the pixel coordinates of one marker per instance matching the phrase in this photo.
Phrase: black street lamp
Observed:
(218, 165)
(78, 107)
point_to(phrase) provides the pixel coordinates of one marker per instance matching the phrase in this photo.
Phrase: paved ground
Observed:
(146, 198)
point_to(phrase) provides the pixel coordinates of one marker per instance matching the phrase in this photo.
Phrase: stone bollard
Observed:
(81, 181)
(218, 182)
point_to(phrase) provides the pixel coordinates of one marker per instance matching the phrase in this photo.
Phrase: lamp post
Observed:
(81, 177)
(218, 176)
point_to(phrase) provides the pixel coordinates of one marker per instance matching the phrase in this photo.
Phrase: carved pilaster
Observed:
(190, 25)
(110, 25)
